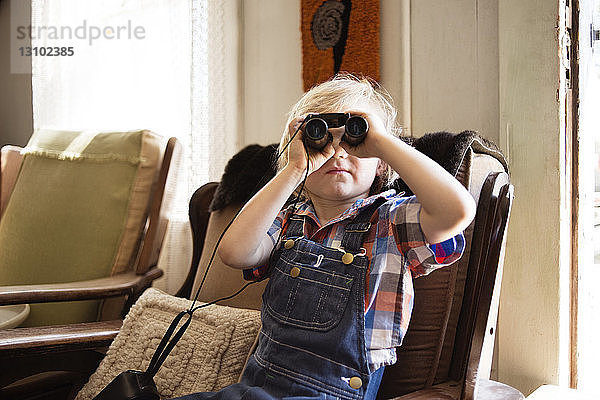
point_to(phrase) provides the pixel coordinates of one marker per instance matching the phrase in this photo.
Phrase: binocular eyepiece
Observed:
(317, 135)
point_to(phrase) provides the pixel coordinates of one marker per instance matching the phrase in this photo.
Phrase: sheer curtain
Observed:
(154, 64)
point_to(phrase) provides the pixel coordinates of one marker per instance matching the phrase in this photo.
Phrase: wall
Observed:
(454, 66)
(15, 89)
(452, 42)
(271, 74)
(529, 340)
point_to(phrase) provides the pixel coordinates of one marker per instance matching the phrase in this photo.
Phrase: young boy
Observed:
(340, 292)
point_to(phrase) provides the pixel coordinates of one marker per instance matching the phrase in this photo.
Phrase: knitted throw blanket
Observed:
(209, 356)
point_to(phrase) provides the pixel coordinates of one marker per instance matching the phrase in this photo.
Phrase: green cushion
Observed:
(67, 214)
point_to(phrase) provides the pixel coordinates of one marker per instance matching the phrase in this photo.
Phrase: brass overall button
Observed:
(289, 244)
(355, 382)
(347, 258)
(294, 272)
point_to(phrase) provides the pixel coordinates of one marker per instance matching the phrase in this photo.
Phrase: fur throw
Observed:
(243, 173)
(449, 150)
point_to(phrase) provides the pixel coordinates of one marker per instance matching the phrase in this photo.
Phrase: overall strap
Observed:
(295, 226)
(359, 226)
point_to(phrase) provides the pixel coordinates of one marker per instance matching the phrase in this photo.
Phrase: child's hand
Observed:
(297, 152)
(368, 148)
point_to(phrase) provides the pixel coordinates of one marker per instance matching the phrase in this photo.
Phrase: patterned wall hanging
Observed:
(339, 35)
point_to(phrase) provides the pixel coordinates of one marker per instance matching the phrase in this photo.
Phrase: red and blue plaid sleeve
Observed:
(422, 257)
(256, 273)
(448, 251)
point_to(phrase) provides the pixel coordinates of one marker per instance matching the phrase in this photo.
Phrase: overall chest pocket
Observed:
(306, 297)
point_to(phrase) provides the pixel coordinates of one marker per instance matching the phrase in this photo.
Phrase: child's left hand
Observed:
(368, 148)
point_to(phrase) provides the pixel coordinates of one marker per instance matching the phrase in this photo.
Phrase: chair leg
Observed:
(47, 376)
(57, 385)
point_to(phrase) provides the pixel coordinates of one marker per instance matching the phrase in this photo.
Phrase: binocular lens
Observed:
(356, 126)
(316, 129)
(316, 134)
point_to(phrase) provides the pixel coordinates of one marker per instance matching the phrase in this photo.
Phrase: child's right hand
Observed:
(297, 152)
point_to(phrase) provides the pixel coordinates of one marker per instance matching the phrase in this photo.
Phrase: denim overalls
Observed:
(311, 345)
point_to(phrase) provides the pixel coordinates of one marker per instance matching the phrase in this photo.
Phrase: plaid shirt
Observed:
(397, 251)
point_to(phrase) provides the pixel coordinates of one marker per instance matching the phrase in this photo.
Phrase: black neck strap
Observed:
(165, 346)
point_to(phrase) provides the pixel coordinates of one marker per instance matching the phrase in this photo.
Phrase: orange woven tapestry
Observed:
(339, 35)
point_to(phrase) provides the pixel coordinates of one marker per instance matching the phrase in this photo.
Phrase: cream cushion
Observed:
(209, 356)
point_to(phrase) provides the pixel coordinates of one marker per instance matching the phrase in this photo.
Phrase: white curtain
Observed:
(154, 64)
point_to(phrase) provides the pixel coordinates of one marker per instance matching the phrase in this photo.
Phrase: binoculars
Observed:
(316, 134)
(130, 385)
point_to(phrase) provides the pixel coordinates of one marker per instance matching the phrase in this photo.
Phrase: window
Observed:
(142, 64)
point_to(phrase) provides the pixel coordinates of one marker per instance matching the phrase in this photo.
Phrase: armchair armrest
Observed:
(84, 336)
(75, 350)
(122, 284)
(486, 390)
(447, 390)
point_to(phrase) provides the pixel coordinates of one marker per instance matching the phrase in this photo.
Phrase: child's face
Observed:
(343, 177)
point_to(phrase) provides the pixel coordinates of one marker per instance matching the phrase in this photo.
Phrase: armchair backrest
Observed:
(158, 206)
(144, 222)
(221, 280)
(440, 343)
(480, 322)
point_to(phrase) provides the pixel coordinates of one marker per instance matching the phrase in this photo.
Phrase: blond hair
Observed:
(345, 91)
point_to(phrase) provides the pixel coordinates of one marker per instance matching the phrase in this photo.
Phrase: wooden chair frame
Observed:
(78, 348)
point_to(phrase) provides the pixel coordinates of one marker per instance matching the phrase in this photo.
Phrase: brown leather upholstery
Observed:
(429, 344)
